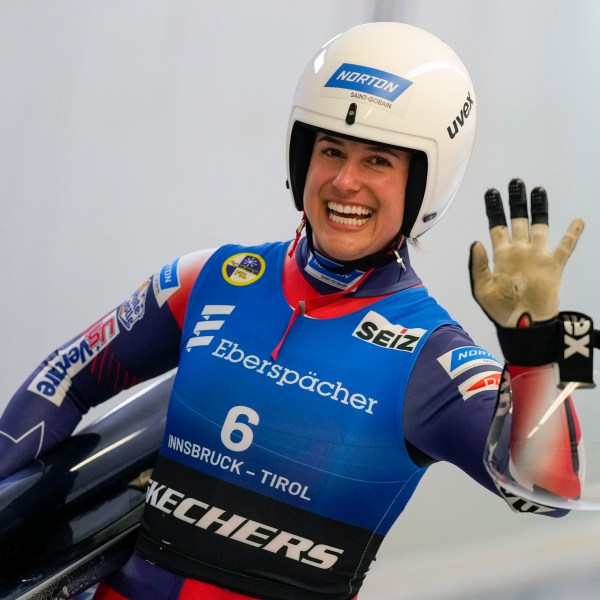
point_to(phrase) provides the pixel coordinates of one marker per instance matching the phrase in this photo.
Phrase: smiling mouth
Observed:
(346, 214)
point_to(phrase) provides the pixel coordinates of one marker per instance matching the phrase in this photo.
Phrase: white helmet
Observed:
(393, 84)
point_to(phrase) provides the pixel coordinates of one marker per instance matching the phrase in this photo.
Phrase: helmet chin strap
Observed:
(372, 261)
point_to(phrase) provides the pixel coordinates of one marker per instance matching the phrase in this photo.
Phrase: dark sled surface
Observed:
(70, 517)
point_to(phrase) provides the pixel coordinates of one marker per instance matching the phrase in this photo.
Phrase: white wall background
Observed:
(135, 131)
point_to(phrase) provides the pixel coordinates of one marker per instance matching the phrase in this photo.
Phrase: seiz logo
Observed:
(461, 117)
(208, 323)
(376, 329)
(577, 337)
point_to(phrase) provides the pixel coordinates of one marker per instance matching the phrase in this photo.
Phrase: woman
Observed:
(317, 379)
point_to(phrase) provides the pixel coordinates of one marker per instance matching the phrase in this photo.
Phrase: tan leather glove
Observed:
(523, 287)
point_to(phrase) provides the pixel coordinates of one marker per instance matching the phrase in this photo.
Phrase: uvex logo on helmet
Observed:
(461, 117)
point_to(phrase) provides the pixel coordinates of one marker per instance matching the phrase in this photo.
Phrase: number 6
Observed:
(232, 425)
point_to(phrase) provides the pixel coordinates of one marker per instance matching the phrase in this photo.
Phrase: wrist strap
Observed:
(569, 340)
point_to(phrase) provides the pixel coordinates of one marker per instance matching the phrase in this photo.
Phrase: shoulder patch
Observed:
(243, 269)
(482, 382)
(459, 360)
(165, 282)
(132, 310)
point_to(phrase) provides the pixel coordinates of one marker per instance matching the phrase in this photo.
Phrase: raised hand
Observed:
(523, 287)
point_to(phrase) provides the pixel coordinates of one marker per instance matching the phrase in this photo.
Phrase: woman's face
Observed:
(354, 196)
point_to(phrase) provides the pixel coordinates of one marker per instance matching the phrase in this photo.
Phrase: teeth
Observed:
(347, 221)
(348, 209)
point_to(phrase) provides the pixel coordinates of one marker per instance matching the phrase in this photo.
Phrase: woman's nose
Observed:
(348, 177)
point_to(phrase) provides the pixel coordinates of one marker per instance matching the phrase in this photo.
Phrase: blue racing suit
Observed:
(304, 412)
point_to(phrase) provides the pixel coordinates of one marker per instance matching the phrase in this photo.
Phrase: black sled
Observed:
(70, 518)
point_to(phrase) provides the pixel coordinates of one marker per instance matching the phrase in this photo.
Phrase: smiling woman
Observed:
(317, 378)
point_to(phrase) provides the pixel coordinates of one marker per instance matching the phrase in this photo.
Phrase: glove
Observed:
(523, 287)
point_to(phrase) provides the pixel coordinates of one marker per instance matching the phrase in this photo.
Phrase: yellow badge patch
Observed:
(243, 269)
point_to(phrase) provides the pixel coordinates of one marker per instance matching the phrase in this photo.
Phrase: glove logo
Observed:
(577, 338)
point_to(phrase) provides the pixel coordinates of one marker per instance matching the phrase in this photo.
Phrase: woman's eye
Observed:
(380, 161)
(332, 152)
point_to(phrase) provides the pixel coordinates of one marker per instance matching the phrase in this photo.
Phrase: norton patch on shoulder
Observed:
(459, 360)
(166, 282)
(243, 269)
